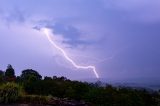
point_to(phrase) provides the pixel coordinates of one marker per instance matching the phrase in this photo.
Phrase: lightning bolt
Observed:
(46, 31)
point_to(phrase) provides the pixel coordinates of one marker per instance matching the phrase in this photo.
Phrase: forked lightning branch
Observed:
(48, 35)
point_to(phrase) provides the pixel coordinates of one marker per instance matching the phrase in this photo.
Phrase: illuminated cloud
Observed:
(120, 37)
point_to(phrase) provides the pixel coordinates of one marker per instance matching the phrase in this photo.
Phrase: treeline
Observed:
(30, 82)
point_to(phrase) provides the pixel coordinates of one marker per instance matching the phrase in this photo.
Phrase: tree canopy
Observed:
(9, 73)
(60, 87)
(30, 75)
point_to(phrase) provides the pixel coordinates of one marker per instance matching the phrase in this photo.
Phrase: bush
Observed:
(9, 92)
(34, 99)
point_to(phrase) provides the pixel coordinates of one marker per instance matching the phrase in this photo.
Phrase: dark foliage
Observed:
(10, 74)
(30, 75)
(1, 76)
(9, 92)
(92, 93)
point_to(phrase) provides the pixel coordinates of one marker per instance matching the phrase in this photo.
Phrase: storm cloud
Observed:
(121, 38)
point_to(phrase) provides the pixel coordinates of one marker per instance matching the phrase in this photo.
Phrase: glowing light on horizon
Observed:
(46, 31)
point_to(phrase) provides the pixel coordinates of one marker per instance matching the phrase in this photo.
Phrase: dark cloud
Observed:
(127, 31)
(70, 33)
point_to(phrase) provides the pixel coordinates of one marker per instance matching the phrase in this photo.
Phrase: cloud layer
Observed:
(120, 37)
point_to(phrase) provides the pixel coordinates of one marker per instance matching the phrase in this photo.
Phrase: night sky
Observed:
(121, 38)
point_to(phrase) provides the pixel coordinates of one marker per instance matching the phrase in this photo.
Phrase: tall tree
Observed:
(1, 76)
(10, 74)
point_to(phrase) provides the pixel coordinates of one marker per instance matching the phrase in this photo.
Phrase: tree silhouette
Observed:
(30, 75)
(96, 93)
(1, 76)
(10, 74)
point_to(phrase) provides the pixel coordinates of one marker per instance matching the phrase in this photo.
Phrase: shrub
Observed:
(9, 92)
(34, 99)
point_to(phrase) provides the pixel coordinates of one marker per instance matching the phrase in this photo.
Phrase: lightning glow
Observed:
(46, 31)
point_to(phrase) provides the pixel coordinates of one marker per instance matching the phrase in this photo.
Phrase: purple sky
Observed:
(120, 37)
